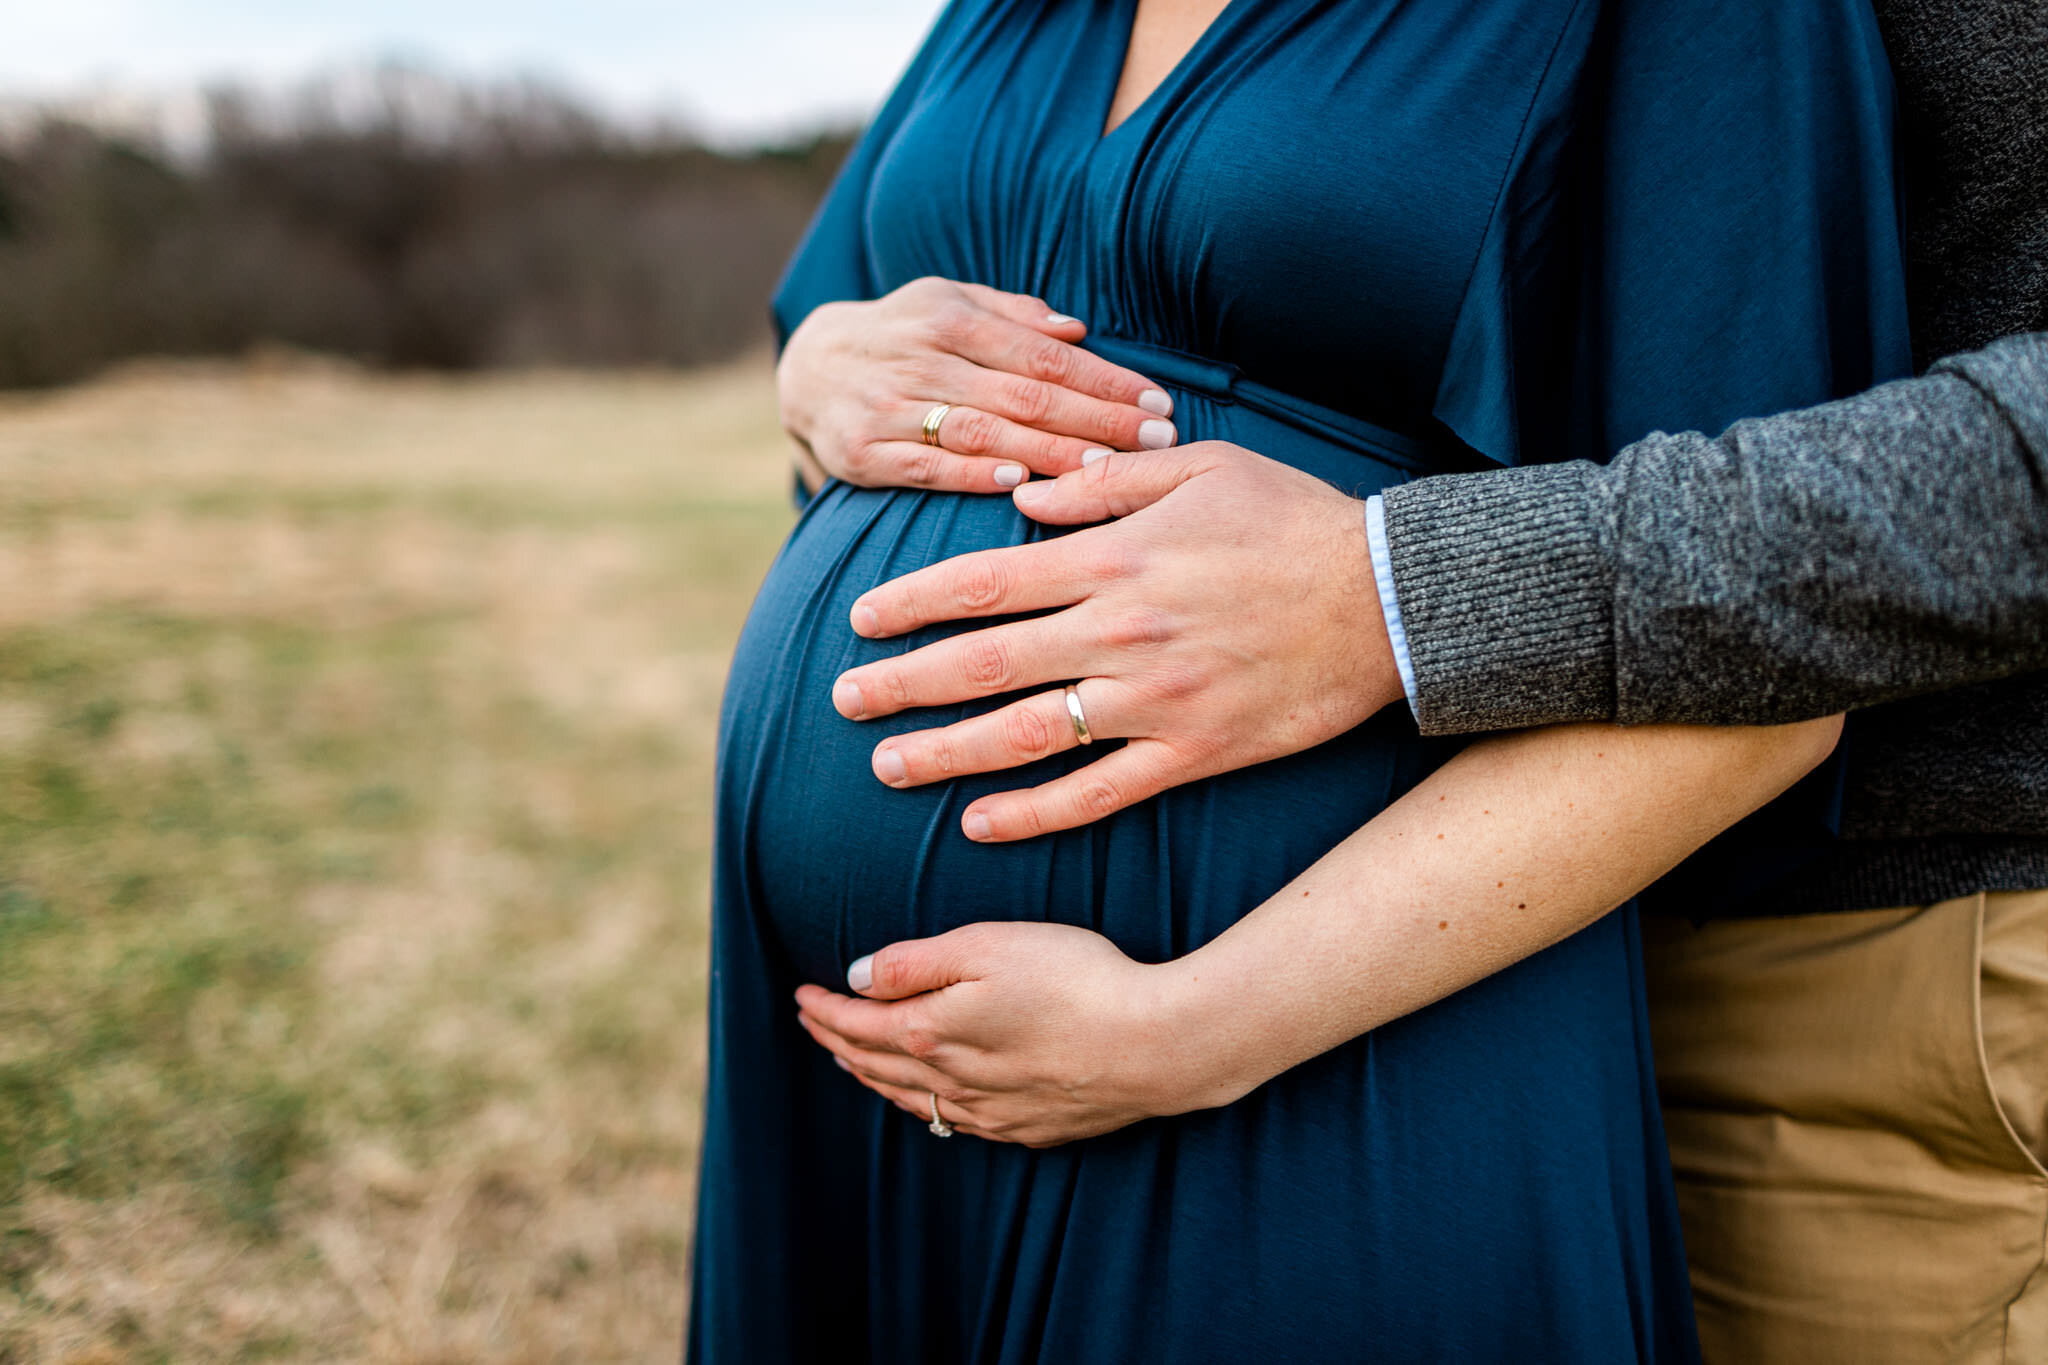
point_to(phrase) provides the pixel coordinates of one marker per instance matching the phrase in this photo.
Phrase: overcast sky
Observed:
(738, 68)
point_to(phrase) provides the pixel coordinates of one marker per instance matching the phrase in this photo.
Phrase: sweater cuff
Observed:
(1506, 598)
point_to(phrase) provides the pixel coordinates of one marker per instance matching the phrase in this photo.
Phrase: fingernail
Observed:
(1156, 401)
(977, 826)
(861, 974)
(1009, 475)
(1034, 491)
(1060, 319)
(846, 700)
(1094, 453)
(1155, 435)
(865, 622)
(889, 766)
(840, 1062)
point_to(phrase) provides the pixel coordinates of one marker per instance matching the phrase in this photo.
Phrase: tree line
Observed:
(428, 225)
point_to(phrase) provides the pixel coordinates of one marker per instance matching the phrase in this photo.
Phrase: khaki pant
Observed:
(1858, 1113)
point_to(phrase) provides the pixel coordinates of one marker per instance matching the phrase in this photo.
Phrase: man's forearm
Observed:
(1513, 845)
(1874, 548)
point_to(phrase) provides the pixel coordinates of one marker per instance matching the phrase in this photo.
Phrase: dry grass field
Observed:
(355, 752)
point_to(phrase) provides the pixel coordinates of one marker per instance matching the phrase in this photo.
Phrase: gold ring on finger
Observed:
(1075, 714)
(932, 420)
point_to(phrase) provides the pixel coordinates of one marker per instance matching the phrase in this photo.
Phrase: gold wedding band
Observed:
(932, 420)
(1074, 714)
(939, 1127)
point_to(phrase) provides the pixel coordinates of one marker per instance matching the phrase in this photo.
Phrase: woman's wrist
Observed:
(1208, 1055)
(794, 379)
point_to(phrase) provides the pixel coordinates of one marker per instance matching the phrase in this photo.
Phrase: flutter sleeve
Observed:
(1700, 223)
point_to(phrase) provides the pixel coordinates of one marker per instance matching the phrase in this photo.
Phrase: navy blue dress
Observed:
(1376, 240)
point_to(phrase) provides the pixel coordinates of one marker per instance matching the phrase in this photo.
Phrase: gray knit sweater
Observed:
(1888, 552)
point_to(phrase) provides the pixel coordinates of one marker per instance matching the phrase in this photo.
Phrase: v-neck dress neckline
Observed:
(1125, 18)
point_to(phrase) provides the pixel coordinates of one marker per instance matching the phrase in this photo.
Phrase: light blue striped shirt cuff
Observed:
(1390, 603)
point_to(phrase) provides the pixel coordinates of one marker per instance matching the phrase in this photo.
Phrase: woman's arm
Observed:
(1042, 1034)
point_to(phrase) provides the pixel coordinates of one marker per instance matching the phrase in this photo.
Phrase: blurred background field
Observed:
(355, 758)
(394, 215)
(387, 459)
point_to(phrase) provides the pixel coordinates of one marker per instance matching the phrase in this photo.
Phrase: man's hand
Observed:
(1025, 1032)
(1226, 617)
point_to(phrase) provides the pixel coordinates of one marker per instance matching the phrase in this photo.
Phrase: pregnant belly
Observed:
(830, 864)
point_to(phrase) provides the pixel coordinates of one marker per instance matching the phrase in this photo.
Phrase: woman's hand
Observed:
(1026, 1032)
(857, 380)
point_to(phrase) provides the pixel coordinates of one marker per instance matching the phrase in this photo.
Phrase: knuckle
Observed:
(1099, 797)
(1137, 629)
(959, 1096)
(1044, 359)
(986, 662)
(887, 970)
(918, 1041)
(1024, 398)
(922, 467)
(1177, 682)
(983, 584)
(1114, 557)
(895, 685)
(976, 431)
(1049, 452)
(940, 759)
(1027, 821)
(857, 459)
(1026, 732)
(954, 321)
(923, 372)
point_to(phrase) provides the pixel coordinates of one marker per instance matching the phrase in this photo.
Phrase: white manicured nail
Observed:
(1155, 435)
(1092, 454)
(1156, 401)
(1009, 475)
(1060, 320)
(861, 974)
